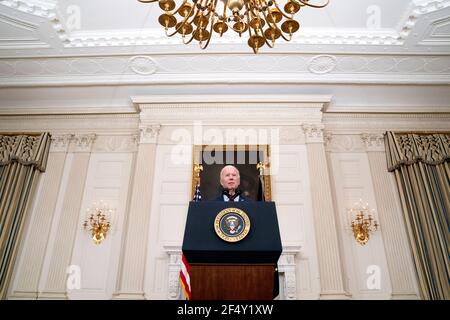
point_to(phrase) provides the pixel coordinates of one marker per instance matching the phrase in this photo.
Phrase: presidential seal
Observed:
(232, 224)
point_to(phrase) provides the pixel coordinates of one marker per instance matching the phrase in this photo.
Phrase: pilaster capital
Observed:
(314, 132)
(149, 132)
(327, 138)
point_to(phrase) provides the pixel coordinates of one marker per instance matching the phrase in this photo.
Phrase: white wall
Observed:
(352, 181)
(171, 196)
(104, 169)
(108, 179)
(293, 200)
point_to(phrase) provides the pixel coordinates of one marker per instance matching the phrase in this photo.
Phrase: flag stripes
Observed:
(184, 278)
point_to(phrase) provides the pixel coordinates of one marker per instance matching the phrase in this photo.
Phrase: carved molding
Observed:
(346, 143)
(125, 143)
(60, 142)
(287, 266)
(174, 291)
(105, 125)
(30, 40)
(437, 33)
(188, 110)
(44, 9)
(313, 132)
(327, 139)
(129, 69)
(149, 133)
(83, 142)
(291, 135)
(322, 64)
(358, 123)
(38, 8)
(143, 65)
(419, 9)
(373, 141)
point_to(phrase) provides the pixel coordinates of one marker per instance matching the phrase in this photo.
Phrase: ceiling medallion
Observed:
(264, 20)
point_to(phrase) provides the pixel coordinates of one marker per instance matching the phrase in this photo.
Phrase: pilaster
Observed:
(330, 266)
(131, 278)
(398, 254)
(66, 227)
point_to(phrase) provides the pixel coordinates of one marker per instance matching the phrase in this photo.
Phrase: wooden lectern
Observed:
(242, 270)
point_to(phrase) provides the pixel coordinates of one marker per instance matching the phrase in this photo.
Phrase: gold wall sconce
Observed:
(363, 223)
(98, 221)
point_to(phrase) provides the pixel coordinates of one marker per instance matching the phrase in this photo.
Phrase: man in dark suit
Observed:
(230, 181)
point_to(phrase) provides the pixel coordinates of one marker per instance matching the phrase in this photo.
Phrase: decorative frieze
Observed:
(373, 141)
(347, 143)
(115, 144)
(60, 142)
(83, 142)
(291, 135)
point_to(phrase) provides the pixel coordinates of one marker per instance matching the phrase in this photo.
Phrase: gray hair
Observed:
(228, 166)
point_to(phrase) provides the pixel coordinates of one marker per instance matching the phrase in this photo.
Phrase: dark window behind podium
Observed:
(244, 157)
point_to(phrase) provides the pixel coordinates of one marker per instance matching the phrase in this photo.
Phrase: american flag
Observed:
(198, 194)
(185, 278)
(184, 272)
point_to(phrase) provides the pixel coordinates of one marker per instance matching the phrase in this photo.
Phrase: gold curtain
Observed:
(420, 163)
(22, 158)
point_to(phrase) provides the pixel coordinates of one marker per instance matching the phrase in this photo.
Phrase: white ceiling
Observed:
(132, 14)
(81, 56)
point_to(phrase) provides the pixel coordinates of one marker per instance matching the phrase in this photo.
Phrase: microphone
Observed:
(237, 193)
(226, 192)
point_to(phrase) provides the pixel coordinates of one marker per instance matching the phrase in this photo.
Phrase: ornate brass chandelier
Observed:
(264, 20)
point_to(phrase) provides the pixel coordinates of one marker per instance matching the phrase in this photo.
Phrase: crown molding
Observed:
(118, 99)
(49, 110)
(156, 37)
(232, 109)
(40, 8)
(228, 99)
(386, 109)
(359, 123)
(31, 40)
(220, 79)
(112, 124)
